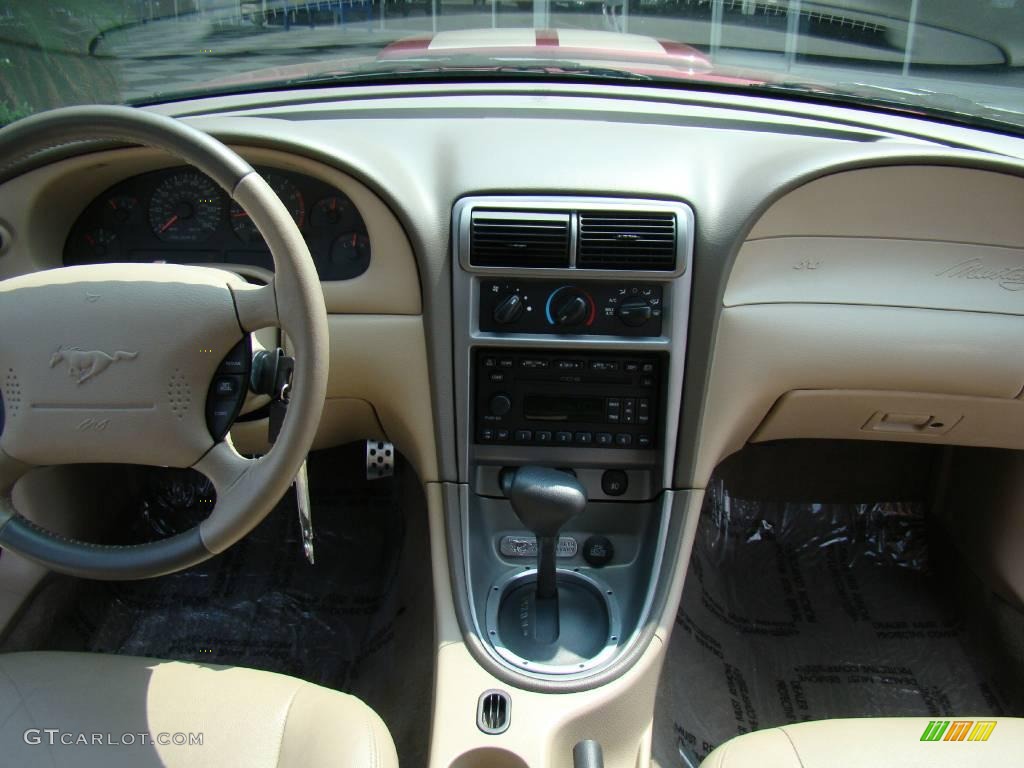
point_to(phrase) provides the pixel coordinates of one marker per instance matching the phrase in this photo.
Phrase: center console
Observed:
(570, 338)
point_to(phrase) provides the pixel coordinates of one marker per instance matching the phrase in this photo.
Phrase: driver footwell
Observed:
(799, 609)
(360, 620)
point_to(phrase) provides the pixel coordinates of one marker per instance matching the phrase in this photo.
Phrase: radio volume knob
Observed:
(509, 309)
(500, 405)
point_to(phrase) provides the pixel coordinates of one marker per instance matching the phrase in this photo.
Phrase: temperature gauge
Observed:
(99, 245)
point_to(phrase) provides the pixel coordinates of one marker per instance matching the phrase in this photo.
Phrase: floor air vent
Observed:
(627, 240)
(493, 712)
(519, 239)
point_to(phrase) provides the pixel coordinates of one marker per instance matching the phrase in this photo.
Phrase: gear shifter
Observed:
(544, 500)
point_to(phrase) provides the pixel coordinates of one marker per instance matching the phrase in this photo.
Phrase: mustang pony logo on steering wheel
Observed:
(84, 365)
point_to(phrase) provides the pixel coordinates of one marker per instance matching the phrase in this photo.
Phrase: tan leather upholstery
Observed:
(870, 743)
(246, 718)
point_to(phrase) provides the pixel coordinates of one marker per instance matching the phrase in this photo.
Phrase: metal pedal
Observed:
(380, 459)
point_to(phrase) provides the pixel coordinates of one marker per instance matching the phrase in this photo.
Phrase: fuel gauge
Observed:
(121, 208)
(331, 212)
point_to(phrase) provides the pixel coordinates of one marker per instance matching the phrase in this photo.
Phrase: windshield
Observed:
(958, 59)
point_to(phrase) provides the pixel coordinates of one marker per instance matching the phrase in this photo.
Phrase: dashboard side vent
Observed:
(626, 240)
(519, 239)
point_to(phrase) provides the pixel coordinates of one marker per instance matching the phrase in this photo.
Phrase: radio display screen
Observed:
(576, 409)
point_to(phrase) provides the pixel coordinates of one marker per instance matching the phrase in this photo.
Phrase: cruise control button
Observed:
(624, 439)
(238, 359)
(227, 387)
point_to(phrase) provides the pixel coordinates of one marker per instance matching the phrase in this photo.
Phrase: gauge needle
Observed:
(240, 215)
(169, 223)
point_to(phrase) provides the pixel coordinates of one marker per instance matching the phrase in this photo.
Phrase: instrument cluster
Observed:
(180, 216)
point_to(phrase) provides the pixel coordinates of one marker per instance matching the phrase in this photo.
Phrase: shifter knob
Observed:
(543, 499)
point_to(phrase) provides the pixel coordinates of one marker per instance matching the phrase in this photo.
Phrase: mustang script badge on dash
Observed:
(83, 365)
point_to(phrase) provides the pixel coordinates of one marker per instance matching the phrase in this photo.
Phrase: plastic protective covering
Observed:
(260, 604)
(795, 612)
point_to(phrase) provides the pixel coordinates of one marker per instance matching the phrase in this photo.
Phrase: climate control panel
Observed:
(563, 307)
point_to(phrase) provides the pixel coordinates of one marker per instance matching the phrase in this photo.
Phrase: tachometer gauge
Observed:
(331, 212)
(185, 208)
(99, 245)
(290, 196)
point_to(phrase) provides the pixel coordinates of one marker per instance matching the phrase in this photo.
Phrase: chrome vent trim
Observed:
(626, 240)
(500, 238)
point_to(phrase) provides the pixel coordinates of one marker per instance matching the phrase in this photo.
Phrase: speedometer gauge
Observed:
(185, 208)
(290, 196)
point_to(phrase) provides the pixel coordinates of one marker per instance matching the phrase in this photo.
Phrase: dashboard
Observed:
(180, 216)
(834, 273)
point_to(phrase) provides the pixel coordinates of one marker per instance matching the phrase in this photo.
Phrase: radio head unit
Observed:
(571, 397)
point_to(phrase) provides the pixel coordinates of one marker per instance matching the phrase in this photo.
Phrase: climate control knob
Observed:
(569, 306)
(634, 313)
(509, 309)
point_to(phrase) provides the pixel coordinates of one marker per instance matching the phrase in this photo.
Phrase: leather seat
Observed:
(79, 709)
(875, 743)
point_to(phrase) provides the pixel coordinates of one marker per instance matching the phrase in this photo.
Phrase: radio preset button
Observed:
(643, 441)
(500, 405)
(604, 438)
(563, 437)
(523, 435)
(623, 439)
(502, 434)
(543, 436)
(584, 438)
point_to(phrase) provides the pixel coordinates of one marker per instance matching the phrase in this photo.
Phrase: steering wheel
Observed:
(113, 362)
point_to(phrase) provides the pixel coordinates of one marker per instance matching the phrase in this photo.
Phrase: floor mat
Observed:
(358, 621)
(795, 612)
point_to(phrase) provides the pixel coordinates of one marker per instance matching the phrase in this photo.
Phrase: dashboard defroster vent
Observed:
(626, 240)
(519, 239)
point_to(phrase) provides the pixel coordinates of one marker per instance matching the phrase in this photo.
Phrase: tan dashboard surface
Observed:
(898, 287)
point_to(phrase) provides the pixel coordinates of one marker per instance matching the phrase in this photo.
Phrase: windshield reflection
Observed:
(954, 56)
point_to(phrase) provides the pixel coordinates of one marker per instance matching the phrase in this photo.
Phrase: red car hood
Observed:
(634, 54)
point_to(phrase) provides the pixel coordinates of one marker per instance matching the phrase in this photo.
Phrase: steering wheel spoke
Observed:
(257, 306)
(11, 470)
(225, 467)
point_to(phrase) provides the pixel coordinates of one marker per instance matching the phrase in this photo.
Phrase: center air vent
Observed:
(626, 240)
(519, 239)
(493, 712)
